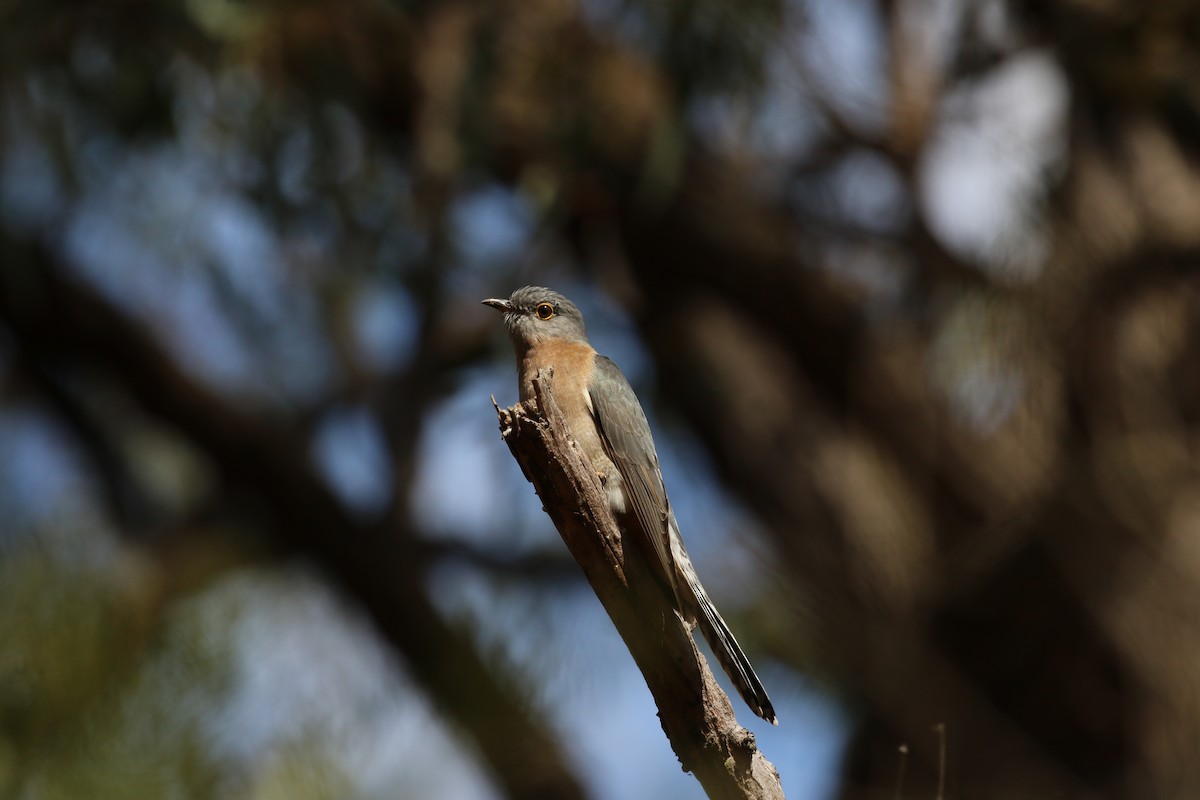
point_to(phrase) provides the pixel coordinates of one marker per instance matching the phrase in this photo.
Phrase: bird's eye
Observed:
(544, 310)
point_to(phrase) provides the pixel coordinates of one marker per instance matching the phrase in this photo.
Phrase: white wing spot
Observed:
(616, 494)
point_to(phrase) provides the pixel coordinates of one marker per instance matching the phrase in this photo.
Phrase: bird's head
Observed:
(534, 314)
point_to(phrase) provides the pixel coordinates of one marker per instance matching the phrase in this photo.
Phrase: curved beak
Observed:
(499, 305)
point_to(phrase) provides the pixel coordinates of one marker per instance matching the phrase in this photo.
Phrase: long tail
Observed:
(730, 655)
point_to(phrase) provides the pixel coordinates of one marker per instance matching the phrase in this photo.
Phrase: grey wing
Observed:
(625, 434)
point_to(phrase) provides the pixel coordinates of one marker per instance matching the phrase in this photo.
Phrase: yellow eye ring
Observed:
(544, 311)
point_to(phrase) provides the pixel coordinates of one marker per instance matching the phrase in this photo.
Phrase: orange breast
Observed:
(573, 366)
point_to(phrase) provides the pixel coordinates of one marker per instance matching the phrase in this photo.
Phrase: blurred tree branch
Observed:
(60, 321)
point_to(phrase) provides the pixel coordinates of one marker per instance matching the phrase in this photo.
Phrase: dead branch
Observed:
(695, 713)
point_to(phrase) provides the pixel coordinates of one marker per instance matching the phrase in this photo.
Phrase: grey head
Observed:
(535, 314)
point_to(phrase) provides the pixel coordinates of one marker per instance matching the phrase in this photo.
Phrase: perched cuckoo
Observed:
(607, 422)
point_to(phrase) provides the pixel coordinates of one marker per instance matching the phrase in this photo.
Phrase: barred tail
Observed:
(731, 657)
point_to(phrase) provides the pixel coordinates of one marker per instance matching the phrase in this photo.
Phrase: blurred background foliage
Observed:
(909, 286)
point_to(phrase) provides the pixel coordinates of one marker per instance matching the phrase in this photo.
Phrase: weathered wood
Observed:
(695, 713)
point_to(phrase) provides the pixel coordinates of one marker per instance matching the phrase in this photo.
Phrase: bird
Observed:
(608, 424)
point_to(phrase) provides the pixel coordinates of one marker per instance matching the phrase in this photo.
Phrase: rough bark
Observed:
(695, 713)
